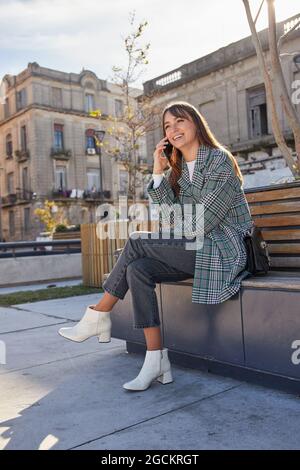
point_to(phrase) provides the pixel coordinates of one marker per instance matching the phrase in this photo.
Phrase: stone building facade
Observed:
(48, 151)
(227, 87)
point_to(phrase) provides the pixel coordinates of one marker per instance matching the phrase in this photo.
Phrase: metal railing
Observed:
(20, 195)
(38, 248)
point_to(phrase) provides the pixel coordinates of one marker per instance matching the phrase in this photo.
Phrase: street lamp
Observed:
(99, 137)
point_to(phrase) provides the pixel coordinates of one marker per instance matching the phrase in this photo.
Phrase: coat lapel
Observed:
(184, 180)
(193, 188)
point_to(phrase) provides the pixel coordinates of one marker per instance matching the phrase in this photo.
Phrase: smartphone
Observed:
(168, 150)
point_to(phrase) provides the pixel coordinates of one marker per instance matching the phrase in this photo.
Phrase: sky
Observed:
(69, 35)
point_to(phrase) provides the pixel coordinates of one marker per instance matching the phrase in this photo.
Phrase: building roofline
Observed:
(33, 69)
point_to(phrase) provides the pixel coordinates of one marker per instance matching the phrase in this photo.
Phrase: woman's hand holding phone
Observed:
(161, 162)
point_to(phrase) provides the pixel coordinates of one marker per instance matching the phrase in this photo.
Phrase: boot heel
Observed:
(165, 378)
(105, 337)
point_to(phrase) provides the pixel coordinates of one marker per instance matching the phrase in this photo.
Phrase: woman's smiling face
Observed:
(180, 131)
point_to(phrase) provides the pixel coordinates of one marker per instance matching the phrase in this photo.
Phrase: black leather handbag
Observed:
(258, 259)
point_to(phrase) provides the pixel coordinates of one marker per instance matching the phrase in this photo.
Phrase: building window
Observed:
(119, 108)
(142, 150)
(93, 179)
(25, 177)
(23, 138)
(21, 99)
(145, 186)
(56, 97)
(257, 111)
(123, 175)
(60, 178)
(27, 219)
(11, 221)
(89, 103)
(58, 136)
(25, 185)
(6, 108)
(9, 146)
(10, 183)
(90, 141)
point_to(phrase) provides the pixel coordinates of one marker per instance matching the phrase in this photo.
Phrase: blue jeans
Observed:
(145, 262)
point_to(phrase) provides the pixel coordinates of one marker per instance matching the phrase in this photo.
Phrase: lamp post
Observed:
(99, 137)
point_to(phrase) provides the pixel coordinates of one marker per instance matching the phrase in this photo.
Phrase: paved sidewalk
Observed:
(56, 394)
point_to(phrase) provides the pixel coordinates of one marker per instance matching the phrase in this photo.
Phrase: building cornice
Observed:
(49, 109)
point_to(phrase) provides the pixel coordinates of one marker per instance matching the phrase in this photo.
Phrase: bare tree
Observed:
(274, 77)
(138, 115)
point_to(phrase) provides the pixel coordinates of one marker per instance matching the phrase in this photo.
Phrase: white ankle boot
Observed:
(93, 323)
(156, 367)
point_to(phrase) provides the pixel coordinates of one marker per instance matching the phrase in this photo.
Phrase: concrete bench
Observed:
(253, 336)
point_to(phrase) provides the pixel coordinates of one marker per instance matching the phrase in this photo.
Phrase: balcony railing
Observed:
(61, 193)
(24, 194)
(9, 199)
(96, 195)
(60, 153)
(19, 196)
(22, 155)
(86, 194)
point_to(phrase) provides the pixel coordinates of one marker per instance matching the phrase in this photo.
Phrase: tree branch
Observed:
(258, 13)
(269, 91)
(278, 76)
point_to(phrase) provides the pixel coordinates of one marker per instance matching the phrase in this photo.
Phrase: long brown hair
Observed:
(182, 109)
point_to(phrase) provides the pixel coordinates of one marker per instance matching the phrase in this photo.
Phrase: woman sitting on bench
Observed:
(204, 176)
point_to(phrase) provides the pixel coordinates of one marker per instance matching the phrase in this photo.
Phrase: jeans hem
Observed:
(114, 293)
(138, 327)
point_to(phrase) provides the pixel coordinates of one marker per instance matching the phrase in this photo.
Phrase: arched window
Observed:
(9, 145)
(89, 102)
(58, 136)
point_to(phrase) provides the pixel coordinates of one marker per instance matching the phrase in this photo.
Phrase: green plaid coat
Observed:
(220, 264)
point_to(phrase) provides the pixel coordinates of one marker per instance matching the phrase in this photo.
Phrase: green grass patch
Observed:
(22, 297)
